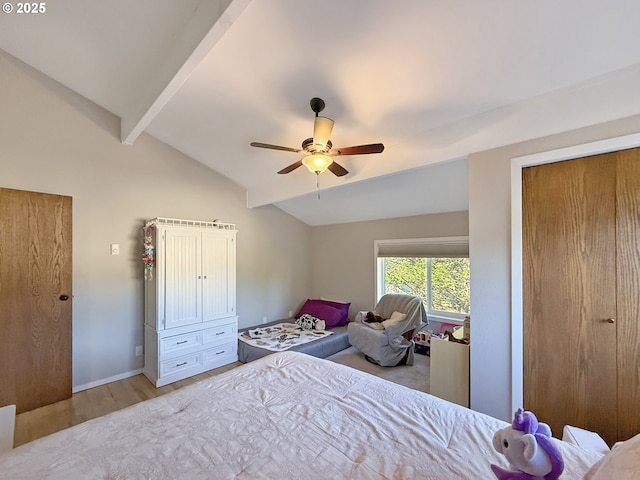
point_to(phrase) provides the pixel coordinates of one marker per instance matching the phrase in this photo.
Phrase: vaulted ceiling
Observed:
(210, 76)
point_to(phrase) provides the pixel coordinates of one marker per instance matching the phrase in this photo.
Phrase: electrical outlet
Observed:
(139, 351)
(290, 313)
(264, 319)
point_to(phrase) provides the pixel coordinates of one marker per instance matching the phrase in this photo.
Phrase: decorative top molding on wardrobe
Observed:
(190, 223)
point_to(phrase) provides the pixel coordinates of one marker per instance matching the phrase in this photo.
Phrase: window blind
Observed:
(443, 247)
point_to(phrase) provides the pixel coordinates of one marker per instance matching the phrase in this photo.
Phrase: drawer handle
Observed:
(220, 333)
(181, 364)
(220, 353)
(183, 341)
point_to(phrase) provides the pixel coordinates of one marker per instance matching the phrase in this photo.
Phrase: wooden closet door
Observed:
(35, 318)
(628, 295)
(569, 280)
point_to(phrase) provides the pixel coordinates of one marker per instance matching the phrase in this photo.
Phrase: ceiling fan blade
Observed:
(291, 167)
(337, 169)
(357, 150)
(322, 127)
(275, 147)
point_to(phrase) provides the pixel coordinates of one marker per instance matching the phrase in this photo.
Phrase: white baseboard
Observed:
(104, 381)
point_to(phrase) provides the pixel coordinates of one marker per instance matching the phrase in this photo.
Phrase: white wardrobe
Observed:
(190, 299)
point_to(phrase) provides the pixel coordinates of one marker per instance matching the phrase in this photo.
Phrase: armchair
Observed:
(393, 344)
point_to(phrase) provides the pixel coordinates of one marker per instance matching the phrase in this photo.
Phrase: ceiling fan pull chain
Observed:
(318, 183)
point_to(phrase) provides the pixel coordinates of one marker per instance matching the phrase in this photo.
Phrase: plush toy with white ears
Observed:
(528, 447)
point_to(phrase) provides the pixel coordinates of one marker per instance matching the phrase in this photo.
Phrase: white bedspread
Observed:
(287, 415)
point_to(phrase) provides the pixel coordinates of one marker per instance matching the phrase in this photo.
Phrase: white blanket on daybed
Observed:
(281, 337)
(285, 416)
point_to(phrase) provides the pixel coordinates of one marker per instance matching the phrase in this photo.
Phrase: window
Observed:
(437, 270)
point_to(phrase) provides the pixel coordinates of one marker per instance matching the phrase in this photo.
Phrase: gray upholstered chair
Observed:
(392, 345)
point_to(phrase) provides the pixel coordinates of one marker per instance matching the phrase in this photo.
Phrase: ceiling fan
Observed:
(318, 149)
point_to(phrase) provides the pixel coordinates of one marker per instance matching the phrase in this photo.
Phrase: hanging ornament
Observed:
(148, 257)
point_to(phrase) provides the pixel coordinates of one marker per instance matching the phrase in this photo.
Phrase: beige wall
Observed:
(490, 256)
(343, 264)
(54, 141)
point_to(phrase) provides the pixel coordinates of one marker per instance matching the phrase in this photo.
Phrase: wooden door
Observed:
(569, 280)
(35, 298)
(628, 291)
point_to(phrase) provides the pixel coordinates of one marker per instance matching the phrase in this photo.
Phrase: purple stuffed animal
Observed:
(528, 447)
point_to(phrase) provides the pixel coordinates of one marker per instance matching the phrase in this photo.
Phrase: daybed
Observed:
(285, 416)
(335, 316)
(321, 348)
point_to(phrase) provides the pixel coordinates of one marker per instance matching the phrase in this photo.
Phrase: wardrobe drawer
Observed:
(223, 333)
(176, 343)
(178, 364)
(226, 351)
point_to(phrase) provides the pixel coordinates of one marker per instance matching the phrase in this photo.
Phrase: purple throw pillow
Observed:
(343, 307)
(319, 309)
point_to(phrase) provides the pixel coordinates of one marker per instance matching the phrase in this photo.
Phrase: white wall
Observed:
(490, 256)
(343, 265)
(54, 141)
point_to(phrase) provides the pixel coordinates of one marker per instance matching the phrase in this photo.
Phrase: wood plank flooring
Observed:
(95, 402)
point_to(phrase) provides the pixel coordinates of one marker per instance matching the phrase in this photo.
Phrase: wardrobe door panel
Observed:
(183, 287)
(218, 267)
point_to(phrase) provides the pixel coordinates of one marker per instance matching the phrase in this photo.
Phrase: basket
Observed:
(422, 349)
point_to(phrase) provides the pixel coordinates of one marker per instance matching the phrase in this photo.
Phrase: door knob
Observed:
(64, 297)
(611, 320)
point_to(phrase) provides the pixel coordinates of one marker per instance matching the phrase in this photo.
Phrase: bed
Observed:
(321, 348)
(286, 416)
(335, 317)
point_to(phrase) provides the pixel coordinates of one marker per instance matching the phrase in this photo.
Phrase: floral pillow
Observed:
(309, 322)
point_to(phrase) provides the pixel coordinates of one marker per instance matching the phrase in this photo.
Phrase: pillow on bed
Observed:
(309, 322)
(342, 306)
(622, 462)
(319, 309)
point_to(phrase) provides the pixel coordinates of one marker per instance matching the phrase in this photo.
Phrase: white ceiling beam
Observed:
(207, 26)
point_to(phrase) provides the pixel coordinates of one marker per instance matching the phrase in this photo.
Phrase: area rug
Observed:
(414, 376)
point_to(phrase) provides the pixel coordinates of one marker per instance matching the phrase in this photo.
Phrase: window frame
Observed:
(434, 244)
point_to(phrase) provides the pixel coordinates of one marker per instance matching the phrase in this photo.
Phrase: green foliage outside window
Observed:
(449, 280)
(450, 284)
(406, 275)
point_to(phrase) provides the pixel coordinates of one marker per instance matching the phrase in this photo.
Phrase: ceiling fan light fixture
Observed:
(322, 128)
(319, 149)
(317, 163)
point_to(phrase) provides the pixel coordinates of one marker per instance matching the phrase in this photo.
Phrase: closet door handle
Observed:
(610, 320)
(64, 297)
